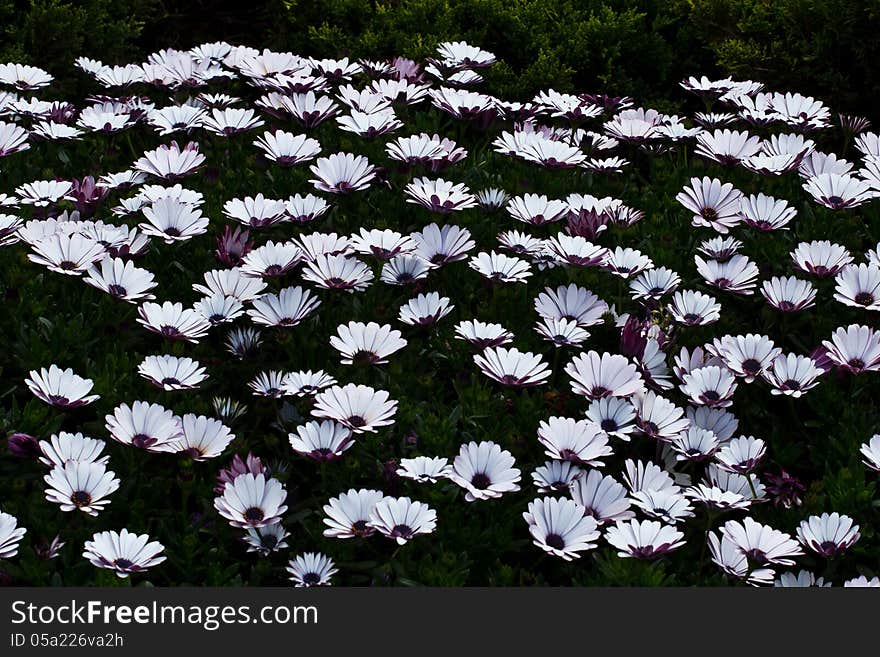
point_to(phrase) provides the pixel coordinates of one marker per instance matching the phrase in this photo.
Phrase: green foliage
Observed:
(444, 401)
(826, 48)
(568, 44)
(640, 48)
(53, 32)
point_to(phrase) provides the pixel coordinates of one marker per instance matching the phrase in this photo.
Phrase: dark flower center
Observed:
(644, 552)
(481, 481)
(357, 421)
(600, 391)
(403, 531)
(569, 455)
(364, 357)
(709, 213)
(360, 528)
(254, 514)
(170, 381)
(791, 384)
(123, 563)
(864, 298)
(751, 366)
(67, 265)
(117, 290)
(555, 541)
(757, 555)
(142, 441)
(81, 498)
(311, 579)
(710, 396)
(608, 425)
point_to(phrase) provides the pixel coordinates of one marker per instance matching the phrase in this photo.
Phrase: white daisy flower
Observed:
(646, 539)
(579, 441)
(290, 307)
(603, 375)
(485, 471)
(10, 535)
(266, 540)
(402, 519)
(173, 321)
(482, 335)
(321, 441)
(67, 253)
(359, 407)
(173, 221)
(252, 501)
(121, 279)
(123, 552)
(425, 309)
(61, 388)
(172, 372)
(306, 383)
(559, 527)
(202, 437)
(145, 426)
(366, 343)
(425, 469)
(63, 448)
(311, 569)
(348, 516)
(81, 485)
(828, 535)
(761, 544)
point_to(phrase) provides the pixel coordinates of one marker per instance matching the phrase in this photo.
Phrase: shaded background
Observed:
(827, 48)
(642, 49)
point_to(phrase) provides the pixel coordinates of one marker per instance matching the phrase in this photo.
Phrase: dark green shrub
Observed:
(826, 48)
